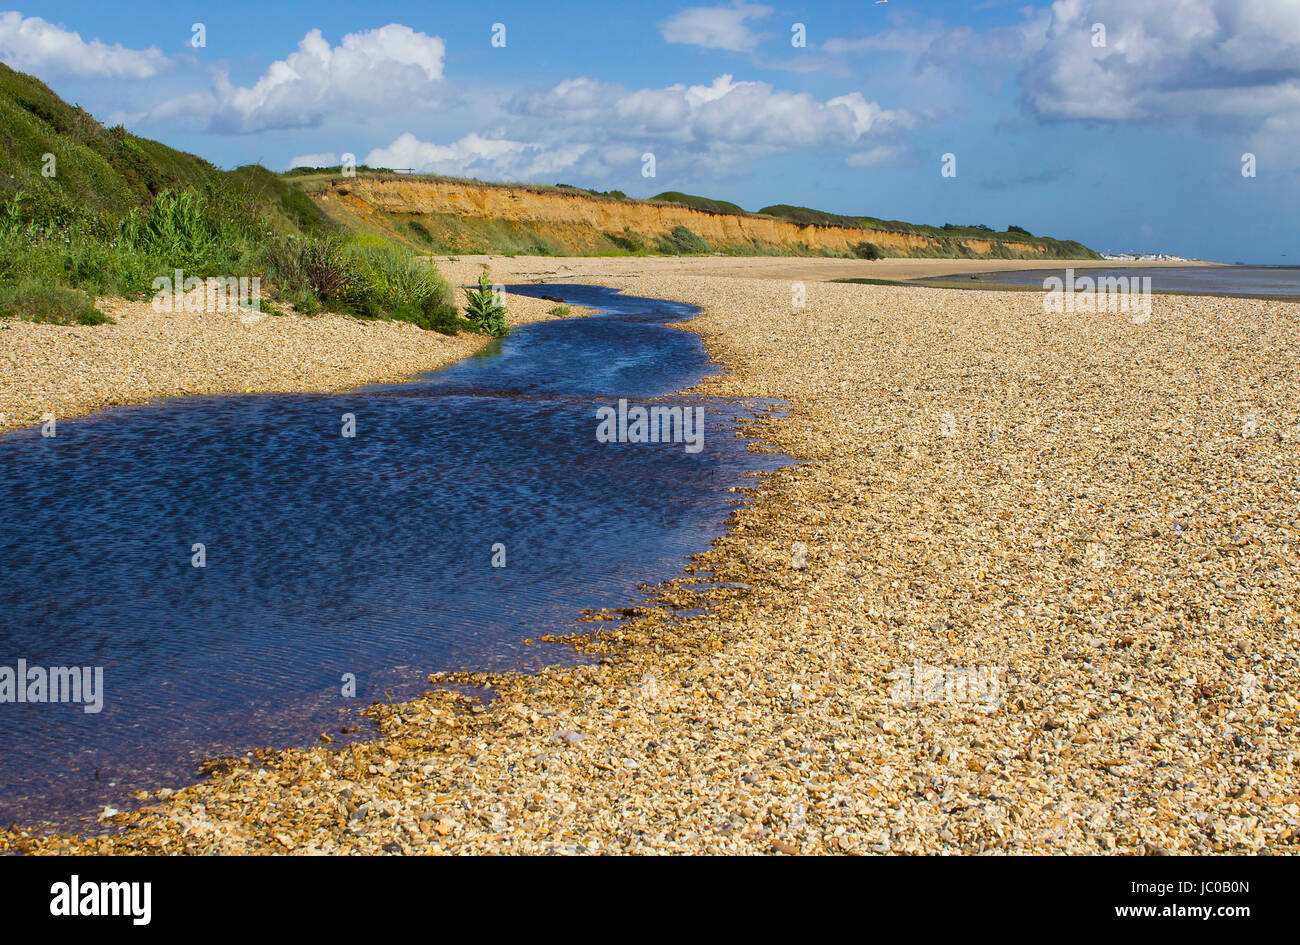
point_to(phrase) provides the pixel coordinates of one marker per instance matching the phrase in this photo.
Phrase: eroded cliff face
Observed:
(466, 217)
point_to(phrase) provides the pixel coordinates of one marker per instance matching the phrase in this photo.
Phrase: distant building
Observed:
(1144, 257)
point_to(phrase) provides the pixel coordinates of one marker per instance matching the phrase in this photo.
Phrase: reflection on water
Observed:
(328, 555)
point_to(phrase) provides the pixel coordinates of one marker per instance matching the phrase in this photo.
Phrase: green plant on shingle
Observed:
(39, 302)
(485, 312)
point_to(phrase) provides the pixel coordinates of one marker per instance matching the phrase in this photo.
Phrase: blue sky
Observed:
(1131, 138)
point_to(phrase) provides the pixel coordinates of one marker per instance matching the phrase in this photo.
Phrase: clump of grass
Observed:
(364, 279)
(202, 232)
(560, 311)
(57, 304)
(681, 242)
(485, 312)
(421, 231)
(628, 240)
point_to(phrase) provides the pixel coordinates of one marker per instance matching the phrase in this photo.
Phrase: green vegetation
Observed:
(681, 242)
(87, 211)
(867, 251)
(697, 203)
(873, 281)
(362, 277)
(38, 302)
(612, 194)
(485, 311)
(421, 231)
(560, 311)
(629, 240)
(948, 236)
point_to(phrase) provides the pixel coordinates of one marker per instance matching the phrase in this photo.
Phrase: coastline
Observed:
(1009, 535)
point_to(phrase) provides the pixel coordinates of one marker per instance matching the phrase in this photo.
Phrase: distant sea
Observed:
(1202, 280)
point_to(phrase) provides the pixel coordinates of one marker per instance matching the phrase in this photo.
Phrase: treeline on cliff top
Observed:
(91, 211)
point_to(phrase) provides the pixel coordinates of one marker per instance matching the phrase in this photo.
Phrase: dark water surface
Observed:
(1202, 280)
(327, 555)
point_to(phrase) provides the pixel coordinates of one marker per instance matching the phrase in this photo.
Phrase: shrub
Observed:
(389, 280)
(629, 240)
(421, 231)
(681, 242)
(208, 233)
(484, 312)
(560, 311)
(867, 251)
(368, 279)
(58, 304)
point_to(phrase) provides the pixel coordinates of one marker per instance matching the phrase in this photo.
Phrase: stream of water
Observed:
(323, 555)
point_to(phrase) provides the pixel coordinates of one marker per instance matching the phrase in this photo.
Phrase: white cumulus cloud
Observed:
(715, 27)
(30, 44)
(497, 158)
(367, 71)
(726, 118)
(1231, 58)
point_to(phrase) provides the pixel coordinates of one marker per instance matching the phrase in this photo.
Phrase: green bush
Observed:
(560, 311)
(681, 242)
(359, 278)
(189, 230)
(421, 231)
(38, 302)
(629, 240)
(867, 251)
(484, 313)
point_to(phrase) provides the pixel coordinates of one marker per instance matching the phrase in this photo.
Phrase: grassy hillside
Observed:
(99, 169)
(87, 210)
(110, 171)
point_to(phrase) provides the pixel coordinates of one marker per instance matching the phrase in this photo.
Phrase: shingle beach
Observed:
(1030, 587)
